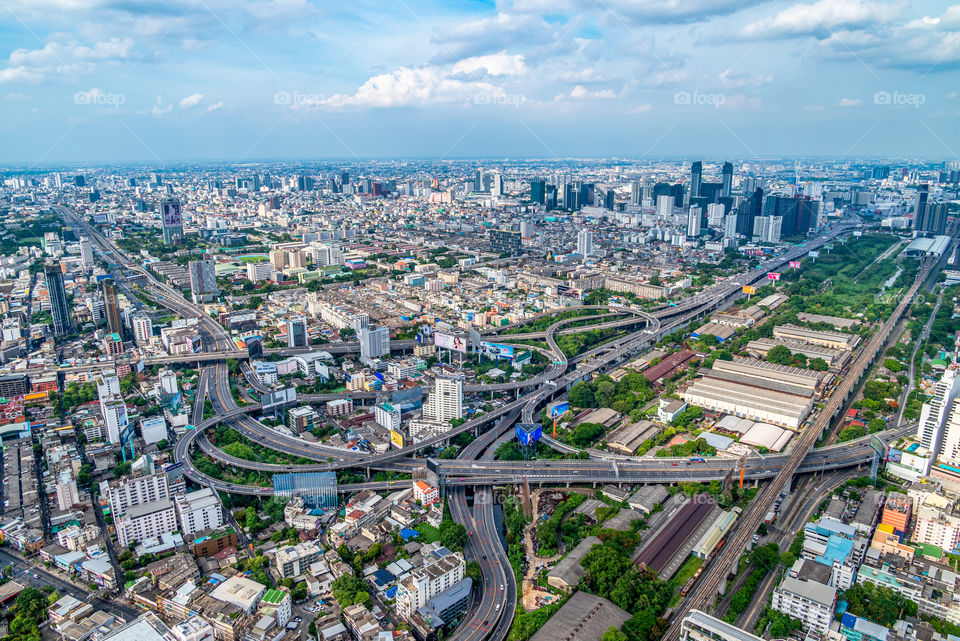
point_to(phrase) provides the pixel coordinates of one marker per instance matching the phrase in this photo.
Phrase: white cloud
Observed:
(19, 74)
(191, 101)
(160, 109)
(641, 109)
(497, 64)
(213, 107)
(416, 86)
(820, 19)
(734, 80)
(582, 93)
(849, 102)
(64, 58)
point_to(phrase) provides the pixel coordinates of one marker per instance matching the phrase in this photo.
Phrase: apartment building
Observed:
(811, 602)
(200, 510)
(133, 491)
(427, 582)
(146, 521)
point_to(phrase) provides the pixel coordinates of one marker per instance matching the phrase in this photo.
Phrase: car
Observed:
(484, 557)
(674, 464)
(470, 532)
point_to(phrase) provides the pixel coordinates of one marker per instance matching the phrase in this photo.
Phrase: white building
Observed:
(811, 602)
(67, 493)
(114, 418)
(168, 381)
(374, 343)
(133, 491)
(386, 415)
(257, 272)
(730, 226)
(427, 582)
(585, 242)
(445, 402)
(295, 560)
(200, 510)
(664, 206)
(142, 328)
(146, 521)
(694, 221)
(936, 411)
(715, 214)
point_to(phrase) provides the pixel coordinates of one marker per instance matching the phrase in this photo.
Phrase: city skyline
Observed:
(254, 81)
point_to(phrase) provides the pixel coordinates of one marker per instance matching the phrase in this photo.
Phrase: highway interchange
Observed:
(475, 468)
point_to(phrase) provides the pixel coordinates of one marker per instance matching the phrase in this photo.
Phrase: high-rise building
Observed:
(538, 191)
(748, 211)
(115, 419)
(203, 281)
(694, 219)
(496, 185)
(726, 180)
(171, 221)
(478, 181)
(696, 177)
(142, 328)
(278, 258)
(136, 490)
(445, 402)
(799, 214)
(505, 241)
(296, 259)
(636, 193)
(730, 226)
(111, 306)
(715, 214)
(86, 254)
(935, 412)
(767, 229)
(387, 416)
(665, 206)
(198, 511)
(297, 332)
(920, 208)
(424, 583)
(374, 343)
(585, 242)
(59, 310)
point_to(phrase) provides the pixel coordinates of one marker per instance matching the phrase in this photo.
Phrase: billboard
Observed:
(449, 341)
(396, 439)
(559, 409)
(749, 289)
(773, 276)
(496, 350)
(170, 213)
(894, 455)
(813, 253)
(529, 433)
(278, 398)
(795, 263)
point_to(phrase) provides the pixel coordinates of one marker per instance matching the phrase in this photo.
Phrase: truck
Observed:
(770, 517)
(697, 459)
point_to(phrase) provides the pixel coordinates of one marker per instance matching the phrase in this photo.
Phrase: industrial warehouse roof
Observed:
(734, 397)
(585, 617)
(768, 436)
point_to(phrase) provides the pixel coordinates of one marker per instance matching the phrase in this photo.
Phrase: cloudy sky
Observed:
(235, 80)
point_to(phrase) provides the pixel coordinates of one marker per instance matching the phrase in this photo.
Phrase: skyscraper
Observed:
(58, 299)
(748, 211)
(665, 206)
(636, 193)
(111, 306)
(585, 242)
(445, 402)
(297, 332)
(726, 179)
(934, 413)
(203, 281)
(86, 253)
(694, 217)
(142, 328)
(505, 241)
(538, 191)
(172, 221)
(696, 177)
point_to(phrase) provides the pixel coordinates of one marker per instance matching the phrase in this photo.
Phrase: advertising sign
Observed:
(497, 350)
(278, 398)
(813, 253)
(773, 276)
(170, 212)
(449, 341)
(795, 263)
(396, 439)
(559, 409)
(894, 455)
(529, 433)
(749, 289)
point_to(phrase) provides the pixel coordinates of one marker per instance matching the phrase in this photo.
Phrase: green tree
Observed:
(818, 364)
(780, 355)
(613, 634)
(453, 535)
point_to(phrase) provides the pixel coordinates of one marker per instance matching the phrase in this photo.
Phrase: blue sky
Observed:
(234, 80)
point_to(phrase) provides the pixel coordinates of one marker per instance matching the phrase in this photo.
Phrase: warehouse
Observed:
(833, 340)
(668, 365)
(726, 393)
(836, 359)
(772, 301)
(762, 370)
(627, 439)
(722, 332)
(648, 497)
(568, 572)
(661, 548)
(836, 321)
(585, 617)
(765, 435)
(604, 416)
(718, 529)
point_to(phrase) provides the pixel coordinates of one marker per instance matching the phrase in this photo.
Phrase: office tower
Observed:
(726, 181)
(694, 217)
(585, 242)
(920, 208)
(588, 195)
(155, 179)
(664, 206)
(86, 253)
(58, 300)
(570, 196)
(609, 199)
(505, 241)
(551, 199)
(374, 343)
(296, 259)
(880, 173)
(538, 191)
(730, 226)
(478, 180)
(934, 413)
(203, 281)
(111, 306)
(142, 328)
(79, 181)
(749, 184)
(297, 332)
(936, 219)
(748, 211)
(636, 193)
(677, 192)
(172, 221)
(696, 177)
(445, 402)
(798, 214)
